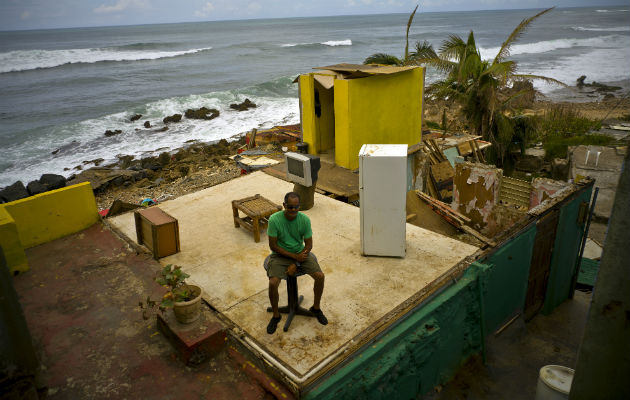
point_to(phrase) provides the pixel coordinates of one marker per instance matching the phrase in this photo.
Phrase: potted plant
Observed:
(184, 299)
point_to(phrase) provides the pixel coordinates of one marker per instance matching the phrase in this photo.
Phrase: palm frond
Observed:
(407, 34)
(382, 58)
(504, 51)
(540, 78)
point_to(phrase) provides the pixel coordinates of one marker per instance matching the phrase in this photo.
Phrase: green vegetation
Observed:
(432, 125)
(556, 147)
(565, 121)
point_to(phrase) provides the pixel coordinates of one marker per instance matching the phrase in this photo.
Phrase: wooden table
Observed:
(257, 209)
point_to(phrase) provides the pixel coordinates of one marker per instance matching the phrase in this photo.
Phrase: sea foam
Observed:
(23, 60)
(608, 41)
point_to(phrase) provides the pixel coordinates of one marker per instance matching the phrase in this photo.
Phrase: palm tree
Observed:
(478, 85)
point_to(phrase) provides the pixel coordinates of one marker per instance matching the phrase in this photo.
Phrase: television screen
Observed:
(295, 167)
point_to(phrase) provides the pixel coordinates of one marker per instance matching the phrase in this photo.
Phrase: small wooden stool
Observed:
(257, 209)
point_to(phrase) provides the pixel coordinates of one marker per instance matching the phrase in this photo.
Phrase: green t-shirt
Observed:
(290, 234)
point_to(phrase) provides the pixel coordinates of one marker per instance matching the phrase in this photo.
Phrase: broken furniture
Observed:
(158, 231)
(293, 307)
(257, 209)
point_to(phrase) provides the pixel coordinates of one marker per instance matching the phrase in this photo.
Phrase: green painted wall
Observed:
(504, 276)
(565, 251)
(420, 352)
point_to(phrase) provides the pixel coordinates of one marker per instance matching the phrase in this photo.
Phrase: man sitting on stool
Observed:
(291, 241)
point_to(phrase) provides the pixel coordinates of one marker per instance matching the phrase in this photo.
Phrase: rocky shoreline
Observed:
(197, 166)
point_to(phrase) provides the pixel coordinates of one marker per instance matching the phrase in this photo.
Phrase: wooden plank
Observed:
(444, 206)
(478, 235)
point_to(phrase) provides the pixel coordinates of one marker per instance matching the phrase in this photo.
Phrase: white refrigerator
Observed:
(383, 191)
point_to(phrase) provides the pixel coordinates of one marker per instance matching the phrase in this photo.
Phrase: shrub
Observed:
(565, 121)
(556, 147)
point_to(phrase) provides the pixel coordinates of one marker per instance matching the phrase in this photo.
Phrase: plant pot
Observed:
(189, 311)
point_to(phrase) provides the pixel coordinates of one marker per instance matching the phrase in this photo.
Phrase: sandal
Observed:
(273, 324)
(320, 316)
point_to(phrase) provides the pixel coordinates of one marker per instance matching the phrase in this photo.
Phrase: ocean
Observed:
(61, 89)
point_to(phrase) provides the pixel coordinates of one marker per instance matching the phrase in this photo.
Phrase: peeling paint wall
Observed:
(542, 189)
(476, 191)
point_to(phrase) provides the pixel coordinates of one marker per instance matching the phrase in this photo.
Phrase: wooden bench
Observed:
(256, 209)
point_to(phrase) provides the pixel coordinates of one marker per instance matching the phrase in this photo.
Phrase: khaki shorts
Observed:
(277, 265)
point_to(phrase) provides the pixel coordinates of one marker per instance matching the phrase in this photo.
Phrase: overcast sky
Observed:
(35, 14)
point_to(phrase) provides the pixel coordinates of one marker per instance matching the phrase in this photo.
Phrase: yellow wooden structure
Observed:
(344, 106)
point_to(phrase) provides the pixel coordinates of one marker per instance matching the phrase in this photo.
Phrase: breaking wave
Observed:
(614, 29)
(24, 60)
(331, 43)
(550, 45)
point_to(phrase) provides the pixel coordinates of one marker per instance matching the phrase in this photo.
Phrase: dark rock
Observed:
(529, 164)
(172, 118)
(580, 81)
(119, 180)
(164, 158)
(244, 106)
(140, 175)
(13, 192)
(35, 187)
(151, 163)
(135, 117)
(202, 113)
(147, 124)
(184, 169)
(78, 168)
(162, 129)
(609, 96)
(125, 161)
(560, 169)
(54, 151)
(53, 181)
(101, 178)
(109, 133)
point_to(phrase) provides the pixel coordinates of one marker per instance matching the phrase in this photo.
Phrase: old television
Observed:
(302, 168)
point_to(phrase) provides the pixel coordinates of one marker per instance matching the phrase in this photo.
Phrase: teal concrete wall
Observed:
(421, 351)
(565, 251)
(427, 347)
(504, 277)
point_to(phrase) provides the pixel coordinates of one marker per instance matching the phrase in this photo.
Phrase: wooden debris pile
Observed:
(453, 217)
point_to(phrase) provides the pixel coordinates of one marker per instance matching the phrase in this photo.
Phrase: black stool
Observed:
(293, 308)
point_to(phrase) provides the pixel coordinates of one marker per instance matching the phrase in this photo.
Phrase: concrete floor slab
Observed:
(227, 264)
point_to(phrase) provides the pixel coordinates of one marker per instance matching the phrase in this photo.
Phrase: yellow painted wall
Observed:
(307, 112)
(51, 215)
(10, 243)
(383, 109)
(380, 109)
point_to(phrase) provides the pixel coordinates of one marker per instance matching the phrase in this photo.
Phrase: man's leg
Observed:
(274, 282)
(318, 288)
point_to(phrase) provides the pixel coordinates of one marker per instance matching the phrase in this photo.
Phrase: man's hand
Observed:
(292, 270)
(302, 256)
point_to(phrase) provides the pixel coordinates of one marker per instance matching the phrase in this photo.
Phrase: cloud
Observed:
(205, 11)
(121, 5)
(25, 14)
(253, 8)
